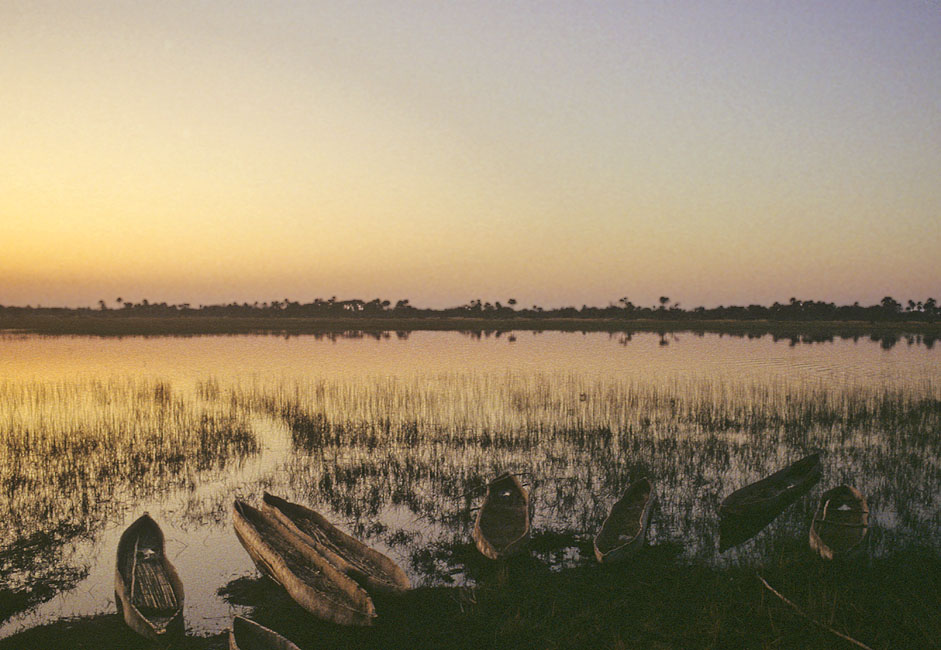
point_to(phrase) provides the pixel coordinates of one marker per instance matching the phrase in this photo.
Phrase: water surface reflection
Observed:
(395, 437)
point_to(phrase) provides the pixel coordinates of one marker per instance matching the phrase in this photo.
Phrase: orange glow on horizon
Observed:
(568, 156)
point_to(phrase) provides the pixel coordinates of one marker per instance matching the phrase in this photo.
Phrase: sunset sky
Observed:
(554, 152)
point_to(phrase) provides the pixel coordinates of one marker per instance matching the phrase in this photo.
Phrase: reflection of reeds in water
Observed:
(72, 453)
(387, 452)
(33, 568)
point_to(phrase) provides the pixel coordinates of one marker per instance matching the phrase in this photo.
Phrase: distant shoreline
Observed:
(102, 325)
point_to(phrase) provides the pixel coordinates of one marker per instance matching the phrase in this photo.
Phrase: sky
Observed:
(558, 153)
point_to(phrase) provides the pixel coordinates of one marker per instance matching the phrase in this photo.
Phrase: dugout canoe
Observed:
(367, 566)
(147, 590)
(246, 634)
(840, 523)
(738, 530)
(774, 492)
(308, 577)
(625, 527)
(502, 526)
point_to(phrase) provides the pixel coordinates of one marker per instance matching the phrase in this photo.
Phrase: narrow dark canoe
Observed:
(625, 528)
(308, 577)
(147, 590)
(502, 525)
(738, 530)
(840, 523)
(246, 634)
(774, 492)
(367, 566)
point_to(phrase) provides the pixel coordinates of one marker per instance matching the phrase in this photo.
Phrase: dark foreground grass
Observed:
(653, 601)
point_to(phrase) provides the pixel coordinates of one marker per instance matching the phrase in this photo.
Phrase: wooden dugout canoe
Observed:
(774, 492)
(308, 577)
(367, 566)
(840, 523)
(502, 525)
(246, 634)
(147, 590)
(738, 530)
(625, 527)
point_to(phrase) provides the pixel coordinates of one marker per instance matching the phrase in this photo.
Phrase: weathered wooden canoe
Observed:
(624, 529)
(308, 577)
(502, 525)
(774, 492)
(840, 523)
(147, 590)
(367, 566)
(246, 634)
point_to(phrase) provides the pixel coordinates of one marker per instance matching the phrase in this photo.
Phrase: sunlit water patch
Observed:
(394, 437)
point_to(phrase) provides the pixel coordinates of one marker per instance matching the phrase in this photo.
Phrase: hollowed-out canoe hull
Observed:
(246, 634)
(309, 578)
(162, 617)
(774, 493)
(841, 524)
(625, 528)
(367, 566)
(502, 526)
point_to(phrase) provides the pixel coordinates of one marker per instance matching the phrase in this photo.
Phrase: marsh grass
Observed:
(74, 454)
(69, 447)
(401, 450)
(401, 461)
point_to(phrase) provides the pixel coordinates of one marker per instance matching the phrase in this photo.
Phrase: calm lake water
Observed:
(392, 437)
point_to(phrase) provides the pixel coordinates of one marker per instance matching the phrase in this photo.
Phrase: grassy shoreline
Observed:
(653, 601)
(199, 325)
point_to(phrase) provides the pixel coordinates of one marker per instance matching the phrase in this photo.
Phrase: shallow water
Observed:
(393, 437)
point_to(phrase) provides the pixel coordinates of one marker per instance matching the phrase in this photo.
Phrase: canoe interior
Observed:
(840, 523)
(307, 576)
(775, 491)
(363, 564)
(249, 635)
(627, 519)
(149, 582)
(504, 516)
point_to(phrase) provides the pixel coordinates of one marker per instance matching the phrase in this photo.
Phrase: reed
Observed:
(418, 443)
(401, 460)
(75, 453)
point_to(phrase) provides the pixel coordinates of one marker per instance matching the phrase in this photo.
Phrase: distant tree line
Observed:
(888, 309)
